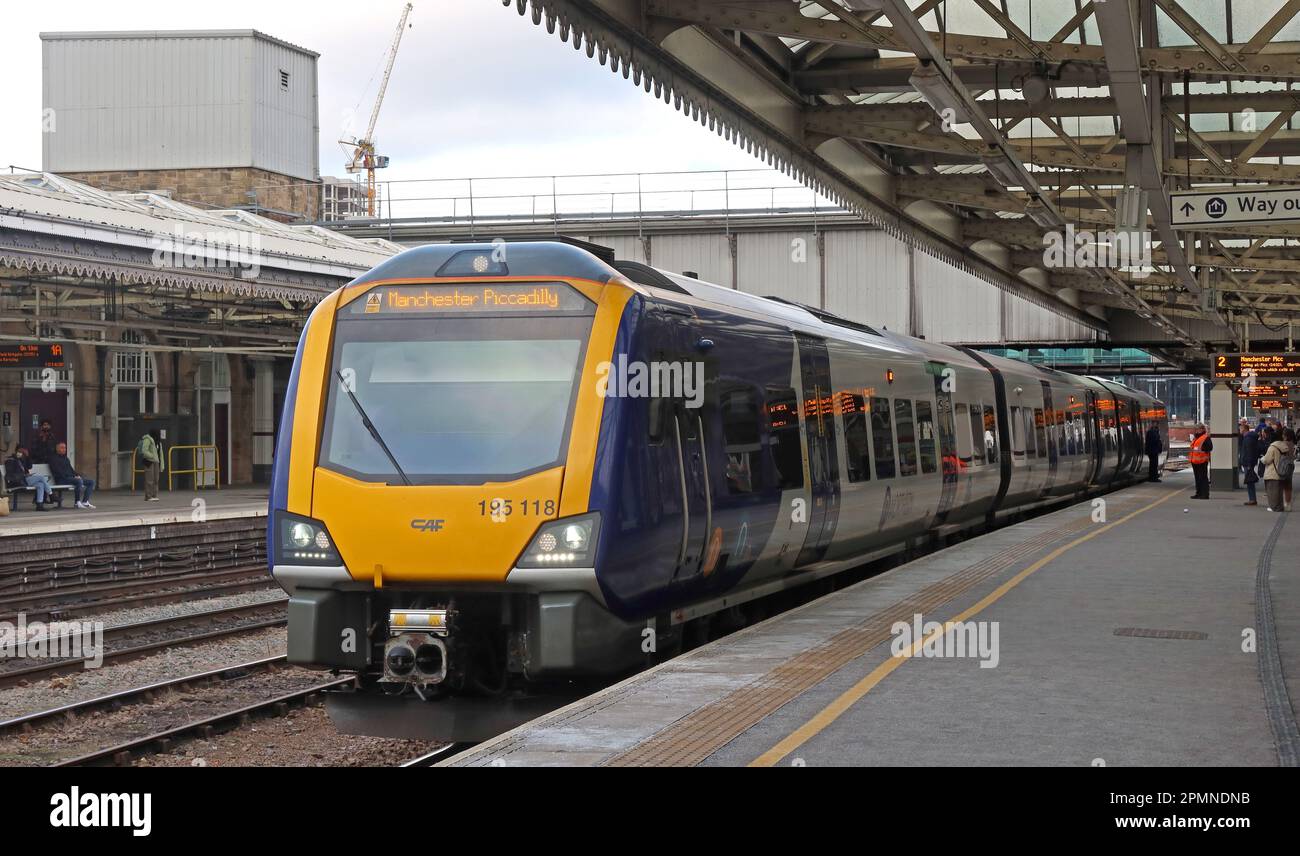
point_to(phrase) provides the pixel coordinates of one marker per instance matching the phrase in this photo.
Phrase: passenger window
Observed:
(963, 426)
(882, 438)
(1017, 434)
(1040, 436)
(906, 437)
(742, 445)
(976, 435)
(783, 437)
(925, 434)
(1027, 427)
(854, 410)
(990, 434)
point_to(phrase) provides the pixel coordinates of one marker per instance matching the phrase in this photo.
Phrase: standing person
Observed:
(43, 443)
(18, 473)
(150, 451)
(1154, 446)
(1248, 454)
(1289, 435)
(64, 473)
(1199, 457)
(1279, 465)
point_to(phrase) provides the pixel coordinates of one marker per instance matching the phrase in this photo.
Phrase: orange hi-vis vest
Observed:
(1196, 456)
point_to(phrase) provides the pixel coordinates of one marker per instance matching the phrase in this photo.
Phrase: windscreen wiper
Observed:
(370, 426)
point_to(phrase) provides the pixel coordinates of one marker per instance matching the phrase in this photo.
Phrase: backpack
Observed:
(1285, 465)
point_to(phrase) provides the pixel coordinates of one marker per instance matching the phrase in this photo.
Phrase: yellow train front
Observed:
(429, 508)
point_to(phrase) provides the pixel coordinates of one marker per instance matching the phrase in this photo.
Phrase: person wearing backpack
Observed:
(1279, 466)
(149, 450)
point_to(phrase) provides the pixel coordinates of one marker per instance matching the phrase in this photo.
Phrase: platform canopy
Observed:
(87, 263)
(976, 128)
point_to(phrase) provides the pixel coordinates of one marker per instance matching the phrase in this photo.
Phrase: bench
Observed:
(56, 492)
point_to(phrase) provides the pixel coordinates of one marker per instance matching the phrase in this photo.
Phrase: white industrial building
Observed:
(227, 118)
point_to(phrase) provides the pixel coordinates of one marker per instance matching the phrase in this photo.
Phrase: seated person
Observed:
(64, 473)
(18, 473)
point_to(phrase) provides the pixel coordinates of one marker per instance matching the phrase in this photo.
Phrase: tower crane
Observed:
(362, 157)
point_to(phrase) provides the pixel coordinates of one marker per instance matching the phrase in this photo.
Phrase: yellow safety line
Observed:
(837, 708)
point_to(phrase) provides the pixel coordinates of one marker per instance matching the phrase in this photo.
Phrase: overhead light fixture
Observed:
(997, 164)
(1036, 89)
(1131, 209)
(938, 93)
(1042, 215)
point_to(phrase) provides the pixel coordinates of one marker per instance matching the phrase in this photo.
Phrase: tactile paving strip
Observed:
(698, 735)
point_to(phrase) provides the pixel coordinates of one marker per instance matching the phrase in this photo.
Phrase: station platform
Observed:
(117, 508)
(1166, 634)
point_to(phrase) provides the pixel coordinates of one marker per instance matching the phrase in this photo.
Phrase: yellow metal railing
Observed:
(134, 471)
(199, 460)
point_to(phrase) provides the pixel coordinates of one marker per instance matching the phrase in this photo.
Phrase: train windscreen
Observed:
(455, 401)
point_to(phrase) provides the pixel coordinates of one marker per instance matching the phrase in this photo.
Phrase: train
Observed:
(510, 464)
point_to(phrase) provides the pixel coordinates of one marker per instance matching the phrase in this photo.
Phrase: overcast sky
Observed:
(477, 89)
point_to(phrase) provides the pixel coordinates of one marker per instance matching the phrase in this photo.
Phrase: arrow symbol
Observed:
(1186, 208)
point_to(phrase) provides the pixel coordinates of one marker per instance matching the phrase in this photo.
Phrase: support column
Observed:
(1223, 462)
(263, 418)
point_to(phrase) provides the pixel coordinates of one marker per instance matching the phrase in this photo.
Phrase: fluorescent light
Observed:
(1002, 169)
(937, 92)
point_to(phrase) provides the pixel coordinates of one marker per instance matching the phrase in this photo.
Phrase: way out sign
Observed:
(1239, 207)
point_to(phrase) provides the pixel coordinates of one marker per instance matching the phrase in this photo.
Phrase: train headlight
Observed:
(567, 543)
(301, 534)
(302, 541)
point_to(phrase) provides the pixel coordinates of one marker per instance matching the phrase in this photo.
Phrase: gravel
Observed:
(176, 610)
(303, 738)
(167, 664)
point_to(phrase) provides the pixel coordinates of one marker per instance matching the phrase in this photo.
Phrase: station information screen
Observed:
(23, 355)
(496, 298)
(1235, 366)
(1263, 390)
(1270, 403)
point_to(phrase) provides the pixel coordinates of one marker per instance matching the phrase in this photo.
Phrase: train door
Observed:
(1094, 437)
(1049, 431)
(823, 459)
(688, 429)
(944, 381)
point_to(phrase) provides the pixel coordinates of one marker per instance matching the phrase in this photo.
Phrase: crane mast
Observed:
(363, 157)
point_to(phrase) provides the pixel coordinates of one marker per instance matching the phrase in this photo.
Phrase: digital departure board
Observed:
(498, 298)
(32, 356)
(1270, 403)
(1236, 366)
(1263, 390)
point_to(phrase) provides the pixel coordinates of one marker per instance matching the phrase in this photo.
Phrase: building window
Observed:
(284, 80)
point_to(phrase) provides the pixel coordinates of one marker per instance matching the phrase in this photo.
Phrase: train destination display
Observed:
(1236, 366)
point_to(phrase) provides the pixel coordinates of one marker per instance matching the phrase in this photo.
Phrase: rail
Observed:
(200, 453)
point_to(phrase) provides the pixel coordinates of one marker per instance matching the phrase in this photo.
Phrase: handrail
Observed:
(200, 453)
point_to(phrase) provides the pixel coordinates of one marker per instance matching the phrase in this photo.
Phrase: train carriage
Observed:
(500, 463)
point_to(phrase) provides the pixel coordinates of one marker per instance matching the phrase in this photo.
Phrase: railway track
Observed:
(437, 756)
(61, 603)
(124, 753)
(39, 671)
(251, 579)
(137, 695)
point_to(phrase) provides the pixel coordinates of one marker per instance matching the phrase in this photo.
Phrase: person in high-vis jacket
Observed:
(1199, 457)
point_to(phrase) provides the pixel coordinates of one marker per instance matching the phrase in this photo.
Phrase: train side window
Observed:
(906, 437)
(783, 437)
(1040, 435)
(742, 445)
(925, 436)
(856, 444)
(882, 438)
(976, 423)
(990, 434)
(1027, 431)
(1017, 434)
(656, 414)
(963, 425)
